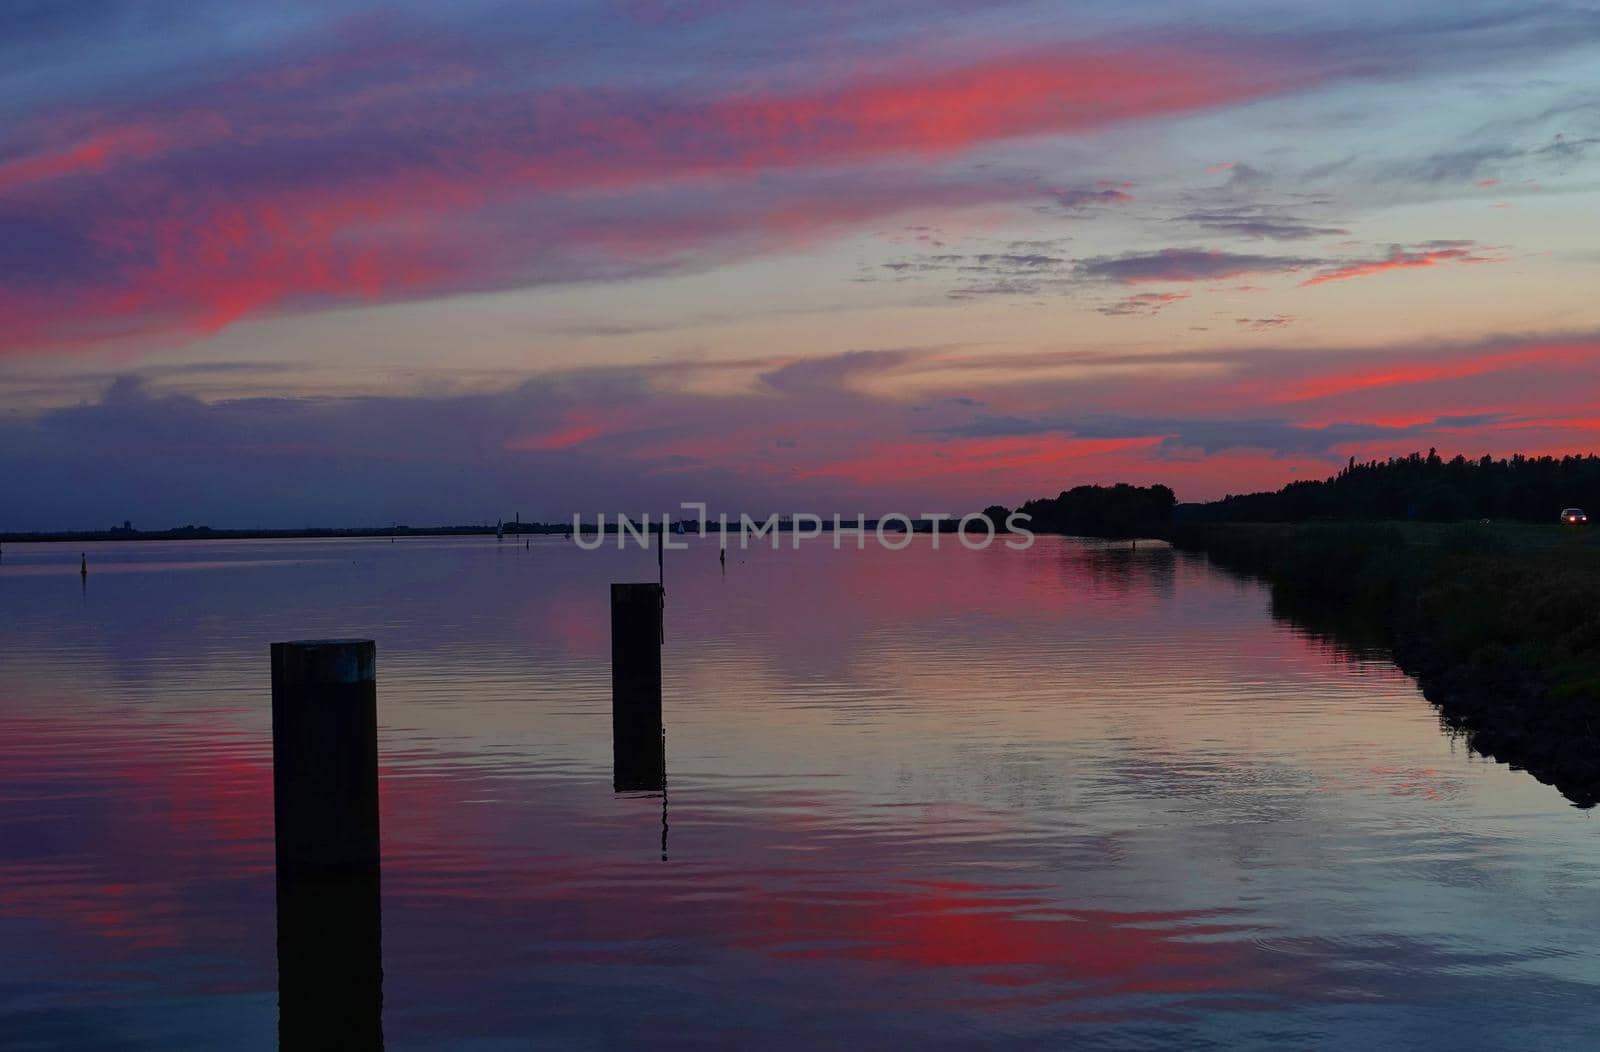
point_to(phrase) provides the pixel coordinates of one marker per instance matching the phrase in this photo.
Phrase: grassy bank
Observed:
(1499, 623)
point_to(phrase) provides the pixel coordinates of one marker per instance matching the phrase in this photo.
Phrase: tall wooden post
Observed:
(325, 807)
(637, 752)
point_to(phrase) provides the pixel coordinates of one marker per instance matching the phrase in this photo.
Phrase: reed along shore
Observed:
(1499, 624)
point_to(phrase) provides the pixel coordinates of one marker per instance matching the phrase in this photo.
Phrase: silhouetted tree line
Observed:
(1102, 511)
(1427, 488)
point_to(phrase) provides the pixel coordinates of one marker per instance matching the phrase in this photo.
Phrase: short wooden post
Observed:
(637, 751)
(325, 756)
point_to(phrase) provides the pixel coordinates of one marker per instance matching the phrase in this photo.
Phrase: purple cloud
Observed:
(1186, 265)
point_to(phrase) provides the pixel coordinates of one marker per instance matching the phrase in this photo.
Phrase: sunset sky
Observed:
(300, 263)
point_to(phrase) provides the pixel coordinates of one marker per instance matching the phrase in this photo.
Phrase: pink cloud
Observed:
(1020, 456)
(1435, 368)
(89, 155)
(1143, 303)
(578, 429)
(1401, 259)
(191, 233)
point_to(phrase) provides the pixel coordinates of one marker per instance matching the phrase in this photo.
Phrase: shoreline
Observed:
(1463, 610)
(204, 533)
(516, 529)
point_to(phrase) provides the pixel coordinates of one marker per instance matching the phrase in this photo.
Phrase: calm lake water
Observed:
(1070, 796)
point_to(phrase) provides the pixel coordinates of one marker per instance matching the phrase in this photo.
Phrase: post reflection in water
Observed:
(330, 962)
(633, 777)
(664, 826)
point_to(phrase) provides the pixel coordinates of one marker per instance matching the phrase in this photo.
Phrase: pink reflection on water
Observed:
(168, 851)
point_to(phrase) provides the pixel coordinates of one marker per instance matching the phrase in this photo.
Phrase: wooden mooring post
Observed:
(325, 810)
(325, 755)
(638, 755)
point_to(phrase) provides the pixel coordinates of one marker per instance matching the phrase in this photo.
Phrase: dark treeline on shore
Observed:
(1098, 511)
(1419, 488)
(1422, 488)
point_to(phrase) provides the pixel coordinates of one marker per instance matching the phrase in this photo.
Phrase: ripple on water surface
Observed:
(1078, 794)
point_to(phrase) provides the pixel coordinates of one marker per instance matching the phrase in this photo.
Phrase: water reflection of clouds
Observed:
(518, 879)
(523, 882)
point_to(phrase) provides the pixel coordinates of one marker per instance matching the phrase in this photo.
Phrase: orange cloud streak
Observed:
(1003, 98)
(901, 461)
(1432, 371)
(576, 429)
(1399, 259)
(88, 156)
